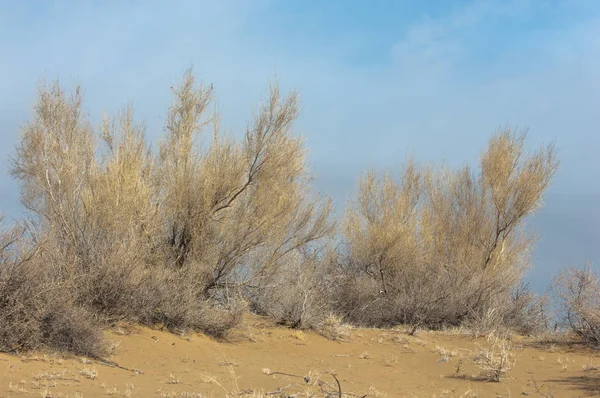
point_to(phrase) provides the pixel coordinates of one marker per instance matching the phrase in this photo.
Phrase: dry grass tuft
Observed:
(495, 361)
(89, 373)
(334, 329)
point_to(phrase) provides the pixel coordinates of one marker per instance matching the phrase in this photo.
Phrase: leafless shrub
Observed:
(578, 294)
(444, 247)
(295, 294)
(67, 327)
(496, 360)
(165, 238)
(21, 296)
(527, 313)
(189, 235)
(522, 312)
(36, 310)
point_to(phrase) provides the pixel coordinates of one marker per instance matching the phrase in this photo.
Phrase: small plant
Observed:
(364, 355)
(46, 393)
(299, 335)
(391, 361)
(495, 361)
(564, 364)
(445, 353)
(128, 389)
(333, 328)
(89, 373)
(458, 368)
(589, 367)
(173, 379)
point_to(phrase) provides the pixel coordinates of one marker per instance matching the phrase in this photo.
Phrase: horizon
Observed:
(378, 85)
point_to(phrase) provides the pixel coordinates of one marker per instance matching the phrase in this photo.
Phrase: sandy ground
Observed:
(372, 363)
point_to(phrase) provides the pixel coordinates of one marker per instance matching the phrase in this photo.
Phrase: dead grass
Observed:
(496, 360)
(333, 328)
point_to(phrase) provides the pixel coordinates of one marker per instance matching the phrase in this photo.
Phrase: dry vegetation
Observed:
(443, 247)
(192, 235)
(118, 232)
(578, 294)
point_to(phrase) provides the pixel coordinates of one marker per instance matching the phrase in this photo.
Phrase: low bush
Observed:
(578, 294)
(36, 310)
(294, 294)
(495, 361)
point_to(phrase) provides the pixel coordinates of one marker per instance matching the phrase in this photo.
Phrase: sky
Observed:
(380, 81)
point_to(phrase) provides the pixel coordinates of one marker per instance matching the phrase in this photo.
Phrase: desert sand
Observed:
(261, 357)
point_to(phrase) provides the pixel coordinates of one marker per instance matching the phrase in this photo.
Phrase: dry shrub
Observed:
(157, 296)
(165, 237)
(333, 328)
(183, 236)
(295, 293)
(527, 313)
(177, 305)
(495, 361)
(523, 312)
(37, 311)
(442, 247)
(235, 210)
(578, 294)
(68, 327)
(360, 301)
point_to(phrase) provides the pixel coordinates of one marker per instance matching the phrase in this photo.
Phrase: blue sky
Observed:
(379, 80)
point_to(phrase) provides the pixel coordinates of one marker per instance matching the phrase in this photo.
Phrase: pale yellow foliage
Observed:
(231, 201)
(444, 245)
(171, 235)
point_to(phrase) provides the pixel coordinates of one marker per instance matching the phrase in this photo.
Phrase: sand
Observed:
(370, 363)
